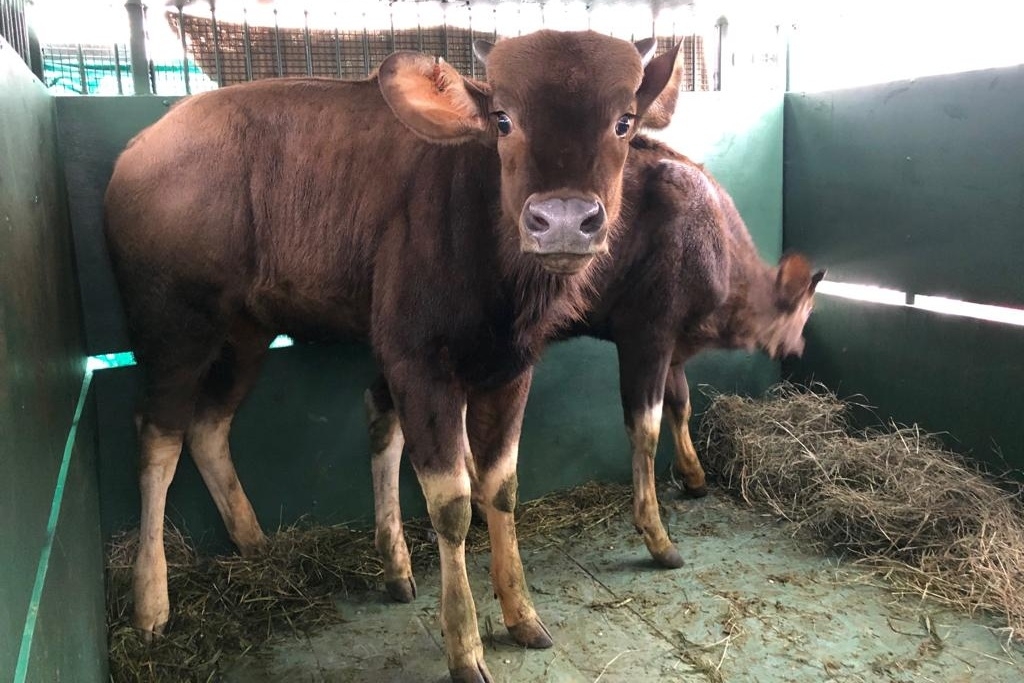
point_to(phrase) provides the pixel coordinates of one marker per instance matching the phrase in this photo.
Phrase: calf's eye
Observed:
(623, 125)
(503, 122)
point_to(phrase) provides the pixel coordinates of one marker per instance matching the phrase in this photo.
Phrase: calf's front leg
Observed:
(433, 416)
(494, 423)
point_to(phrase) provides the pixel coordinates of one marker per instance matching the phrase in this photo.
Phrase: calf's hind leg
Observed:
(642, 383)
(677, 399)
(159, 450)
(386, 443)
(172, 369)
(225, 385)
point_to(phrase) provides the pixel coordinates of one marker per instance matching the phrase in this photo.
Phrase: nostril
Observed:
(537, 221)
(594, 220)
(592, 224)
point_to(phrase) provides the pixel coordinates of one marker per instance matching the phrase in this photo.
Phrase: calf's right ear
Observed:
(794, 281)
(658, 113)
(656, 98)
(433, 99)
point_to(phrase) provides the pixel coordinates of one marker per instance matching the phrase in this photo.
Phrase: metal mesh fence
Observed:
(14, 28)
(253, 52)
(214, 52)
(88, 69)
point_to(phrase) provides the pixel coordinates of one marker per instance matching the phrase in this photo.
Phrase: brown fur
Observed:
(684, 267)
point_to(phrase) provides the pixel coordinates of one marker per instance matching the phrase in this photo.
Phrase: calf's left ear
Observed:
(432, 98)
(658, 92)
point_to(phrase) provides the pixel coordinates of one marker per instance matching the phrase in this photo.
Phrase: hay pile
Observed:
(222, 607)
(895, 500)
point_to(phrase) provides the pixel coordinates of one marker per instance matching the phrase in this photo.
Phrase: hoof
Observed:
(532, 634)
(253, 547)
(151, 634)
(474, 673)
(669, 558)
(151, 617)
(402, 590)
(697, 491)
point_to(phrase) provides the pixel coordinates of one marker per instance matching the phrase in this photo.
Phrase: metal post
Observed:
(472, 61)
(693, 62)
(139, 60)
(337, 46)
(81, 71)
(444, 34)
(184, 49)
(216, 44)
(246, 44)
(21, 32)
(723, 26)
(309, 45)
(391, 15)
(117, 69)
(277, 45)
(366, 49)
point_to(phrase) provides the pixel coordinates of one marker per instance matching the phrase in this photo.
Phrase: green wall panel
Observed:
(93, 131)
(70, 641)
(948, 374)
(917, 186)
(914, 185)
(41, 362)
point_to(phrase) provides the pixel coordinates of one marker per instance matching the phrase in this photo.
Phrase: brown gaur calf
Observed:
(684, 276)
(454, 224)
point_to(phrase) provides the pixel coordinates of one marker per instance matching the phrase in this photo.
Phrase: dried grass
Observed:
(225, 606)
(896, 501)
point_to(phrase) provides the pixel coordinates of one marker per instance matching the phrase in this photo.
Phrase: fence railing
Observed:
(14, 28)
(190, 47)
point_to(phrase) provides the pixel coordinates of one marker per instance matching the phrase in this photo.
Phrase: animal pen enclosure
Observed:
(913, 186)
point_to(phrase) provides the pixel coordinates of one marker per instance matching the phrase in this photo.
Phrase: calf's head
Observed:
(561, 109)
(793, 298)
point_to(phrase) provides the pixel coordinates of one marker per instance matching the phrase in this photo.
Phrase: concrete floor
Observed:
(751, 604)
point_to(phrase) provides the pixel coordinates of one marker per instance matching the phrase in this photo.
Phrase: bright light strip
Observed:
(282, 341)
(999, 314)
(847, 290)
(935, 304)
(123, 359)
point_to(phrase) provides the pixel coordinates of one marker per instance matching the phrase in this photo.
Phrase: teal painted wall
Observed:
(70, 640)
(916, 186)
(41, 372)
(300, 442)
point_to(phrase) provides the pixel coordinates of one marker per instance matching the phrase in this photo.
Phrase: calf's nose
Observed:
(564, 219)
